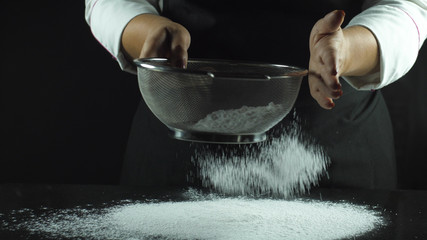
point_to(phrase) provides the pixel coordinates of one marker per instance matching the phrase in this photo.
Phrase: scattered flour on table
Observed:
(203, 217)
(242, 120)
(283, 166)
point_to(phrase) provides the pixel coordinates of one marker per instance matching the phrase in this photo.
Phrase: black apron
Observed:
(356, 134)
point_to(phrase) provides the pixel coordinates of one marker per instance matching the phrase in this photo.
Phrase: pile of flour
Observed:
(243, 120)
(283, 166)
(201, 217)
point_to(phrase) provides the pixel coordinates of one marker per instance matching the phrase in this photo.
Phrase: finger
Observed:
(326, 64)
(321, 93)
(179, 46)
(154, 46)
(331, 22)
(330, 76)
(330, 84)
(316, 92)
(179, 57)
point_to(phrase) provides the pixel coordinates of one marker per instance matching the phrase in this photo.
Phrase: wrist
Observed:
(360, 51)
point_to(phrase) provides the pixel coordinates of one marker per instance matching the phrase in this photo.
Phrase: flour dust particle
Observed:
(285, 166)
(204, 217)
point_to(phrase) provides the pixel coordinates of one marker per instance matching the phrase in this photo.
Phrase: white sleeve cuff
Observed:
(108, 18)
(400, 28)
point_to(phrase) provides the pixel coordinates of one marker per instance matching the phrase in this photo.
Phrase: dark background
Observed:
(66, 107)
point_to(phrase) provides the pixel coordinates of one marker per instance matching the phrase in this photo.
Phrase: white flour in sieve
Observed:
(204, 217)
(284, 166)
(242, 120)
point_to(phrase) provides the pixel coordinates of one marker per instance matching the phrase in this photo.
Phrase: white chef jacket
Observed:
(400, 27)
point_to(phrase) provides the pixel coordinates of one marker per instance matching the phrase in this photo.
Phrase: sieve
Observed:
(218, 101)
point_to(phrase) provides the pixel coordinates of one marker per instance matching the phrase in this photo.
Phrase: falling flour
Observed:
(202, 217)
(243, 120)
(283, 166)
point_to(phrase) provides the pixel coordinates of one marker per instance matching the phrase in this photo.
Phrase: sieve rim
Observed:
(218, 138)
(148, 64)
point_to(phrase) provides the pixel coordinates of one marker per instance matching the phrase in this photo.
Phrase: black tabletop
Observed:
(404, 211)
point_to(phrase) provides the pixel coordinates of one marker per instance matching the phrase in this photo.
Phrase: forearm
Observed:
(400, 28)
(107, 20)
(362, 52)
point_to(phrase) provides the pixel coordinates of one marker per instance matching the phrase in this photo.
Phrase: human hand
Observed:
(327, 56)
(150, 35)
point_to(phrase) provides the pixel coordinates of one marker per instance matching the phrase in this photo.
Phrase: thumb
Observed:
(179, 46)
(331, 22)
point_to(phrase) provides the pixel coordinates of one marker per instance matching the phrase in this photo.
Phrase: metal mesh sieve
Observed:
(218, 100)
